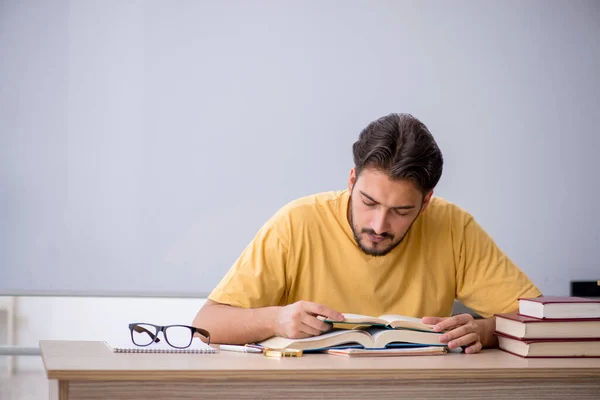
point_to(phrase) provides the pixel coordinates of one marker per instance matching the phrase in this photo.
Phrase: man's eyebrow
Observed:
(407, 207)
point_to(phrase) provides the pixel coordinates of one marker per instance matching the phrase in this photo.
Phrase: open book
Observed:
(368, 338)
(389, 321)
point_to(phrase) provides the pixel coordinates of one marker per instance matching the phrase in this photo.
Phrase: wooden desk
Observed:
(89, 370)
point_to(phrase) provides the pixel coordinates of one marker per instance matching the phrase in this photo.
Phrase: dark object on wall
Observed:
(585, 289)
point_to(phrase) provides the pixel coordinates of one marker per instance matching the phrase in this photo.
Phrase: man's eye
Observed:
(402, 214)
(369, 204)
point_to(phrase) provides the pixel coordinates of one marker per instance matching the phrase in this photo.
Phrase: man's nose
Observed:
(379, 222)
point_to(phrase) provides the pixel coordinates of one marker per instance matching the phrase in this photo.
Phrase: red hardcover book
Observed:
(523, 327)
(550, 348)
(559, 307)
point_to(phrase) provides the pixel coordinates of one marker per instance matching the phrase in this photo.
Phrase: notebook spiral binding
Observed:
(150, 350)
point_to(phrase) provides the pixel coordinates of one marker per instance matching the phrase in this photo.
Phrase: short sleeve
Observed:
(257, 278)
(488, 282)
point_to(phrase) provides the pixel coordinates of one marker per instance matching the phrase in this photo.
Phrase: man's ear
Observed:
(352, 179)
(426, 200)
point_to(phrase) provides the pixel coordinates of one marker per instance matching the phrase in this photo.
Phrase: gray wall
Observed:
(143, 143)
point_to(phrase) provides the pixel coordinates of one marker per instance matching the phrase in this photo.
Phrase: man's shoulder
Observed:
(317, 200)
(314, 204)
(440, 209)
(442, 222)
(308, 211)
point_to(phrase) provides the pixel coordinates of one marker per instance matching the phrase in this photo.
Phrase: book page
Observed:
(327, 339)
(395, 317)
(382, 337)
(358, 318)
(403, 321)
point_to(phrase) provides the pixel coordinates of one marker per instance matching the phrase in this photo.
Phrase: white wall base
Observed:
(90, 318)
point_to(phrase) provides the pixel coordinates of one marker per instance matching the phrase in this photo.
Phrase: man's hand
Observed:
(299, 320)
(463, 330)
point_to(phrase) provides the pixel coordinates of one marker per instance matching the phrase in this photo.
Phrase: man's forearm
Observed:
(487, 326)
(233, 325)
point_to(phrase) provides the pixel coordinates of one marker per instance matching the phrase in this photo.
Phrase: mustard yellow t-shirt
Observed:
(307, 251)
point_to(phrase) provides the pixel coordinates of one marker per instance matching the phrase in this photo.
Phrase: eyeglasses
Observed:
(178, 336)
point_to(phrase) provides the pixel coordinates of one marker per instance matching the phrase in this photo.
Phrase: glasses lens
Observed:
(143, 334)
(179, 336)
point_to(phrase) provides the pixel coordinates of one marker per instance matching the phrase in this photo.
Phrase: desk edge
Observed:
(323, 374)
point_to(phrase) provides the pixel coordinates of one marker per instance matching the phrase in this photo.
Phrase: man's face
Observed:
(382, 210)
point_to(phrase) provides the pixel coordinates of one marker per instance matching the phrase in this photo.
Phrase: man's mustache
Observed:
(372, 232)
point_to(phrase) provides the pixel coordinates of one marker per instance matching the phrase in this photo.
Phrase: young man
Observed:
(385, 245)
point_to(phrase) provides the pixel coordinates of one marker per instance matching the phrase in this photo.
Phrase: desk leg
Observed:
(59, 390)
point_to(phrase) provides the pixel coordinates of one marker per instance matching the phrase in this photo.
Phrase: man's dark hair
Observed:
(401, 146)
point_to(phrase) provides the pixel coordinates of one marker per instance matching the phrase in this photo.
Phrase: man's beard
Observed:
(372, 251)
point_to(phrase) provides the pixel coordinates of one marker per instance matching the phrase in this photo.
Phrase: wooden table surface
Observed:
(86, 362)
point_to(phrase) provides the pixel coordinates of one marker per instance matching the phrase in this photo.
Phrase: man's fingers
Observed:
(459, 331)
(451, 322)
(446, 324)
(309, 330)
(474, 349)
(302, 335)
(431, 320)
(314, 322)
(455, 333)
(319, 309)
(466, 340)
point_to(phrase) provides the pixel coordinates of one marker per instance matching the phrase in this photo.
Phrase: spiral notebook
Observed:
(197, 347)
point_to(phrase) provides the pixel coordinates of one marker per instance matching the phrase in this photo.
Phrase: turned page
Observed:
(357, 318)
(403, 321)
(391, 320)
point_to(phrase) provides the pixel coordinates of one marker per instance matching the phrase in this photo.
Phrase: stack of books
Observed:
(551, 326)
